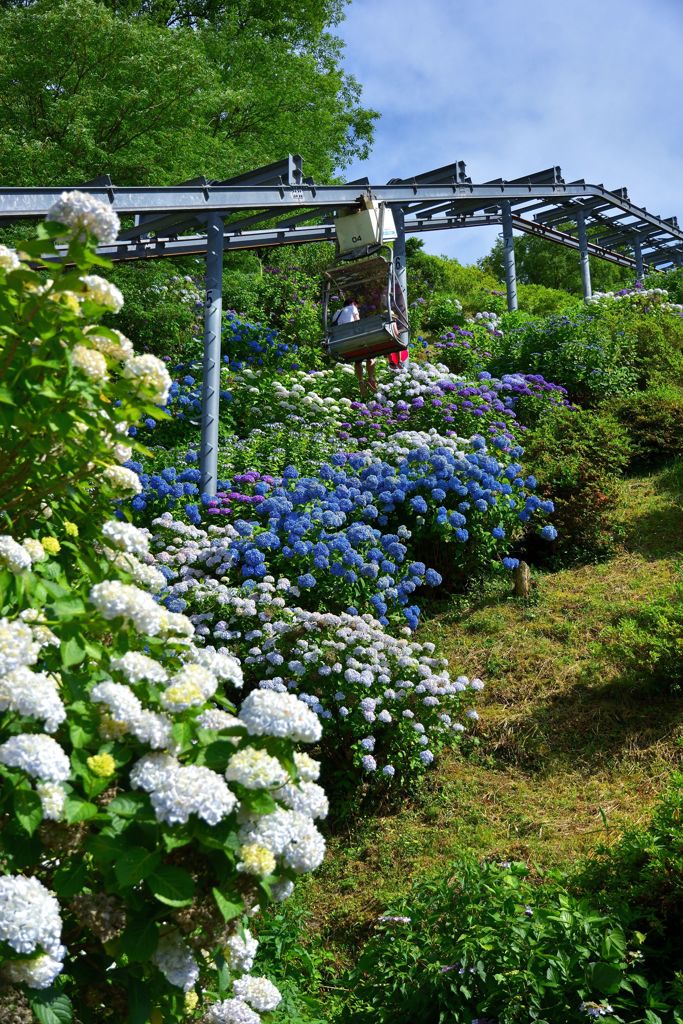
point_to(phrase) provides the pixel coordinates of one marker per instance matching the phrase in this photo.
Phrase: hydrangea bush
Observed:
(146, 810)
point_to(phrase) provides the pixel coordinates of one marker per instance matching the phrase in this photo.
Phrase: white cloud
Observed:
(513, 87)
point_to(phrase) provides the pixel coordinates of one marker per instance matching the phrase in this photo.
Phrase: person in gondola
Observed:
(346, 315)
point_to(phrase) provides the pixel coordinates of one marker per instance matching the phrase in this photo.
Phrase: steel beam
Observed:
(211, 376)
(638, 256)
(399, 256)
(583, 249)
(509, 256)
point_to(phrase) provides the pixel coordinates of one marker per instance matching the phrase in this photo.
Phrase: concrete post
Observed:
(509, 256)
(583, 249)
(211, 378)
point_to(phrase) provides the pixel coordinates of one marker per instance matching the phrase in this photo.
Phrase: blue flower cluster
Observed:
(166, 490)
(253, 344)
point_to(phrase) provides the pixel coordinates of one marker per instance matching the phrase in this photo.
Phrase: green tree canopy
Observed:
(89, 88)
(552, 265)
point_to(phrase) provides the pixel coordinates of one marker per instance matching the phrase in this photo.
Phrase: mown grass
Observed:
(569, 749)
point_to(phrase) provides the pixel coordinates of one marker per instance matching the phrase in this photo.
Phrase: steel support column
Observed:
(638, 257)
(509, 256)
(211, 382)
(583, 249)
(400, 268)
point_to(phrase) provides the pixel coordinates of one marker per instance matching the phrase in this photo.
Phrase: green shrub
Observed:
(654, 420)
(540, 301)
(491, 943)
(576, 457)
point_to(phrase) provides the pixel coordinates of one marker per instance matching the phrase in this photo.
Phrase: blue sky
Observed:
(514, 86)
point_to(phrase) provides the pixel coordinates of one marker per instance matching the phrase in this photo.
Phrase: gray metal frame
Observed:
(275, 205)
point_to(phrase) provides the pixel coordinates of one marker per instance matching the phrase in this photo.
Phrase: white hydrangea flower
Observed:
(256, 860)
(224, 666)
(136, 667)
(152, 770)
(154, 729)
(126, 537)
(192, 790)
(8, 259)
(214, 718)
(308, 769)
(260, 993)
(120, 349)
(82, 213)
(114, 599)
(307, 798)
(290, 835)
(33, 694)
(282, 890)
(123, 480)
(268, 713)
(38, 972)
(181, 696)
(255, 769)
(52, 798)
(151, 376)
(197, 676)
(39, 756)
(121, 452)
(13, 555)
(231, 1011)
(35, 549)
(174, 959)
(29, 916)
(122, 703)
(240, 951)
(146, 576)
(104, 293)
(17, 645)
(90, 362)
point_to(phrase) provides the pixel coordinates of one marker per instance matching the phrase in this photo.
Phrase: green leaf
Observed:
(28, 809)
(72, 652)
(139, 1002)
(605, 978)
(104, 848)
(140, 938)
(51, 1008)
(172, 886)
(228, 908)
(6, 396)
(69, 879)
(258, 803)
(217, 754)
(65, 607)
(135, 864)
(76, 809)
(128, 805)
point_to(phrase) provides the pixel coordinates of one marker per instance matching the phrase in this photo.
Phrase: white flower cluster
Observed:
(136, 667)
(8, 259)
(126, 537)
(17, 645)
(83, 213)
(14, 556)
(114, 600)
(149, 374)
(30, 922)
(260, 993)
(150, 727)
(290, 836)
(90, 362)
(38, 755)
(103, 292)
(174, 959)
(123, 480)
(177, 791)
(240, 951)
(231, 1011)
(268, 713)
(119, 347)
(256, 769)
(33, 694)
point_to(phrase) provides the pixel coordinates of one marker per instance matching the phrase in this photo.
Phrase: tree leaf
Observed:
(28, 809)
(139, 1002)
(140, 938)
(605, 978)
(135, 864)
(172, 886)
(128, 805)
(76, 809)
(228, 908)
(51, 1008)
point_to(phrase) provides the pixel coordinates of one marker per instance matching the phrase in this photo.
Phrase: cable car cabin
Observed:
(372, 284)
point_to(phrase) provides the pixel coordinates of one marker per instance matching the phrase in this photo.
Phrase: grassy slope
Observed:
(570, 751)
